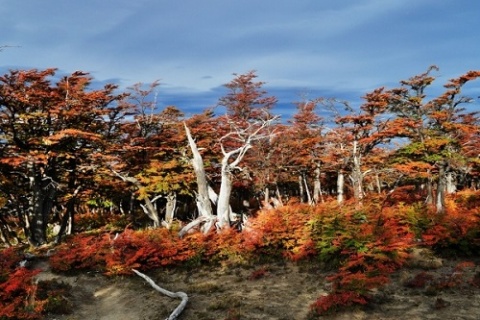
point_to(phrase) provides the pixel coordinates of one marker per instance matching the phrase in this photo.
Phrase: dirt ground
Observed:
(271, 291)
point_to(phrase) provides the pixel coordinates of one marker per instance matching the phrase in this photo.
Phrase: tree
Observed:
(246, 100)
(364, 132)
(50, 136)
(247, 117)
(149, 154)
(436, 129)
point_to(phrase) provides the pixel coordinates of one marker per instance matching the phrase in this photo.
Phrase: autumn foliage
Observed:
(353, 191)
(22, 296)
(364, 247)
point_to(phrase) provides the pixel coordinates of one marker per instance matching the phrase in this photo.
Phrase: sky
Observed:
(301, 49)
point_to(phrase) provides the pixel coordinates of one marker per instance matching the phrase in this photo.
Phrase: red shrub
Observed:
(337, 301)
(118, 254)
(17, 288)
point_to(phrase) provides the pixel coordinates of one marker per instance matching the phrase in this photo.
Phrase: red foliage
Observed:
(366, 245)
(458, 229)
(336, 301)
(17, 288)
(284, 232)
(369, 246)
(118, 254)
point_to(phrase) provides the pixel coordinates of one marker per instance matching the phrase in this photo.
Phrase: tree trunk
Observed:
(223, 204)
(450, 181)
(356, 177)
(317, 187)
(377, 182)
(148, 208)
(301, 189)
(151, 211)
(41, 202)
(307, 190)
(67, 220)
(203, 200)
(279, 201)
(340, 187)
(4, 236)
(429, 187)
(170, 208)
(441, 186)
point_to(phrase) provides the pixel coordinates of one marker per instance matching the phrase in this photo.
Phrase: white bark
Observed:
(170, 208)
(309, 197)
(182, 295)
(451, 188)
(266, 200)
(230, 162)
(317, 187)
(203, 196)
(340, 186)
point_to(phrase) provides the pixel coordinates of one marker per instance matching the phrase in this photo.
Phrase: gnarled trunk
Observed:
(203, 191)
(203, 200)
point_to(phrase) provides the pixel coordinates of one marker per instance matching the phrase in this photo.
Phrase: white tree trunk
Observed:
(441, 188)
(203, 199)
(317, 187)
(307, 190)
(451, 188)
(204, 191)
(170, 208)
(223, 205)
(340, 187)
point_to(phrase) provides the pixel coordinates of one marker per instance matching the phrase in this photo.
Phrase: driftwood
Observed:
(182, 295)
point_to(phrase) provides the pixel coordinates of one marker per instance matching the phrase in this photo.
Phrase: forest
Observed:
(101, 179)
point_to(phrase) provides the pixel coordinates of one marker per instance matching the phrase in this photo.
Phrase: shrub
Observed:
(17, 288)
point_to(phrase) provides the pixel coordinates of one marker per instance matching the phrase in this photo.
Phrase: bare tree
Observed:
(243, 139)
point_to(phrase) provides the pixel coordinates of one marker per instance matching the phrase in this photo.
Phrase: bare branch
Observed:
(182, 295)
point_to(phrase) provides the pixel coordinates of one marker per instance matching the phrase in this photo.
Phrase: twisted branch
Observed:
(182, 295)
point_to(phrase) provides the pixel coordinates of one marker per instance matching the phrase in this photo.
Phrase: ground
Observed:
(272, 291)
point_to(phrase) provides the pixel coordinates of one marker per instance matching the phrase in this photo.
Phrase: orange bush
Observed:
(457, 231)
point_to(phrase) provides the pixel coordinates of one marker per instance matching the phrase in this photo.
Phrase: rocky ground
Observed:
(270, 291)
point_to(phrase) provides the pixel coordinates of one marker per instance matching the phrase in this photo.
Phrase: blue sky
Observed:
(310, 48)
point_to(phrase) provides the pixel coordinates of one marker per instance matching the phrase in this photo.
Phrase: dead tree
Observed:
(244, 139)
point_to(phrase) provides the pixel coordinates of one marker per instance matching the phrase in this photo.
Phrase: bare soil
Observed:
(272, 291)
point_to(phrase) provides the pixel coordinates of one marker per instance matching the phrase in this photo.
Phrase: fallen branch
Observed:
(181, 295)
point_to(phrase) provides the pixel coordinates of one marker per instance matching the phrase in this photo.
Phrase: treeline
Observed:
(66, 148)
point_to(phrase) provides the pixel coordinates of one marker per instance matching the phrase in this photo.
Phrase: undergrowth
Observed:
(363, 246)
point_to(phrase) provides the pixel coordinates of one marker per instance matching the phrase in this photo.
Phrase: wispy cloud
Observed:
(342, 48)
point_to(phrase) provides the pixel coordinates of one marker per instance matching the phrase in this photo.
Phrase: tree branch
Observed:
(182, 295)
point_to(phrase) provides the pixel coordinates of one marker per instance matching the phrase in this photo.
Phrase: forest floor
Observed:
(271, 291)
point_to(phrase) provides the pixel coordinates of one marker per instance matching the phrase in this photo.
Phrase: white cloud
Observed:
(194, 46)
